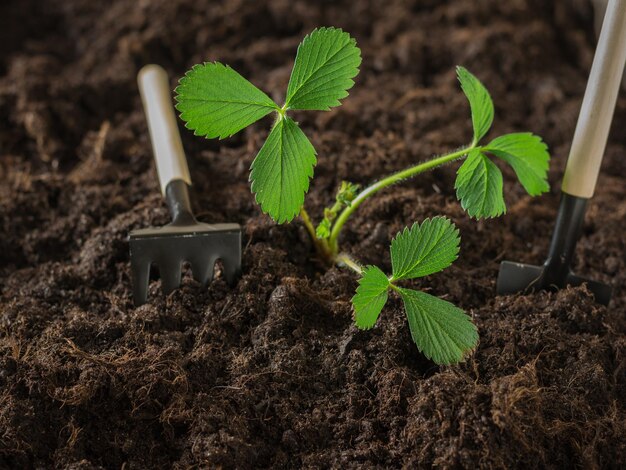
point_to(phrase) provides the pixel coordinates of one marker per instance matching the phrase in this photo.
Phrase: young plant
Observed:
(215, 101)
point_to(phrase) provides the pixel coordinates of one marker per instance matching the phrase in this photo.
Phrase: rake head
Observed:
(168, 247)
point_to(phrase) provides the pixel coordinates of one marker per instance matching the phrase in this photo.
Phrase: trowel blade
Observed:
(519, 277)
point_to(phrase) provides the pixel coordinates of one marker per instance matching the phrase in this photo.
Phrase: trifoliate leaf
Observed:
(479, 100)
(215, 101)
(441, 331)
(479, 186)
(370, 297)
(529, 157)
(281, 171)
(326, 62)
(424, 249)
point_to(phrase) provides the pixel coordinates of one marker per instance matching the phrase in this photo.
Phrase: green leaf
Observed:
(346, 193)
(281, 171)
(424, 249)
(215, 101)
(479, 186)
(441, 331)
(479, 100)
(326, 62)
(370, 297)
(529, 157)
(322, 230)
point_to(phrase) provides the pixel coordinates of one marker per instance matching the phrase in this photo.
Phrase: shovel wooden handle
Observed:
(596, 114)
(169, 155)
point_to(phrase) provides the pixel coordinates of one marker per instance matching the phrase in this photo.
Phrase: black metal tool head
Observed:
(518, 277)
(183, 240)
(168, 247)
(555, 273)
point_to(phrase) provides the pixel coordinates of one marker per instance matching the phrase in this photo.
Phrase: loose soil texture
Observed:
(272, 372)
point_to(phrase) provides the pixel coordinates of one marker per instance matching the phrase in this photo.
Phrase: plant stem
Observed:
(349, 262)
(394, 287)
(333, 240)
(307, 223)
(321, 245)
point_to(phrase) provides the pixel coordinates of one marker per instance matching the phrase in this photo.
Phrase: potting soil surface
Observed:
(272, 372)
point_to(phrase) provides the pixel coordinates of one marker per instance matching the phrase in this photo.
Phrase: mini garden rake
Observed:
(581, 172)
(184, 239)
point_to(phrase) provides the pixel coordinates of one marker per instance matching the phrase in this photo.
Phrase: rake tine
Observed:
(232, 264)
(203, 271)
(140, 271)
(170, 273)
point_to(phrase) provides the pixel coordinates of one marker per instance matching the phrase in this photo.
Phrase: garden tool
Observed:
(184, 239)
(599, 9)
(581, 172)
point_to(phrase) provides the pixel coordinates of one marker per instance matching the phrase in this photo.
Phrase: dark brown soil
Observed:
(271, 372)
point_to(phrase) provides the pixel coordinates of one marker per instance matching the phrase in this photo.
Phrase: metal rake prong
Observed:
(140, 271)
(232, 266)
(170, 272)
(203, 270)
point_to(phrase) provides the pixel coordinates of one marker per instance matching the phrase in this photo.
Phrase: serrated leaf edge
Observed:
(417, 226)
(465, 353)
(188, 75)
(352, 41)
(476, 214)
(385, 292)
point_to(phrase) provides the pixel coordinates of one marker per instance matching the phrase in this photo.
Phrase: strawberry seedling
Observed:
(215, 101)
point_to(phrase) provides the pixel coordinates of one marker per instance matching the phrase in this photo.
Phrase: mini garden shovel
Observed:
(184, 239)
(583, 166)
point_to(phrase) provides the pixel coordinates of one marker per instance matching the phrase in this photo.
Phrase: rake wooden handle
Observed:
(168, 150)
(596, 114)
